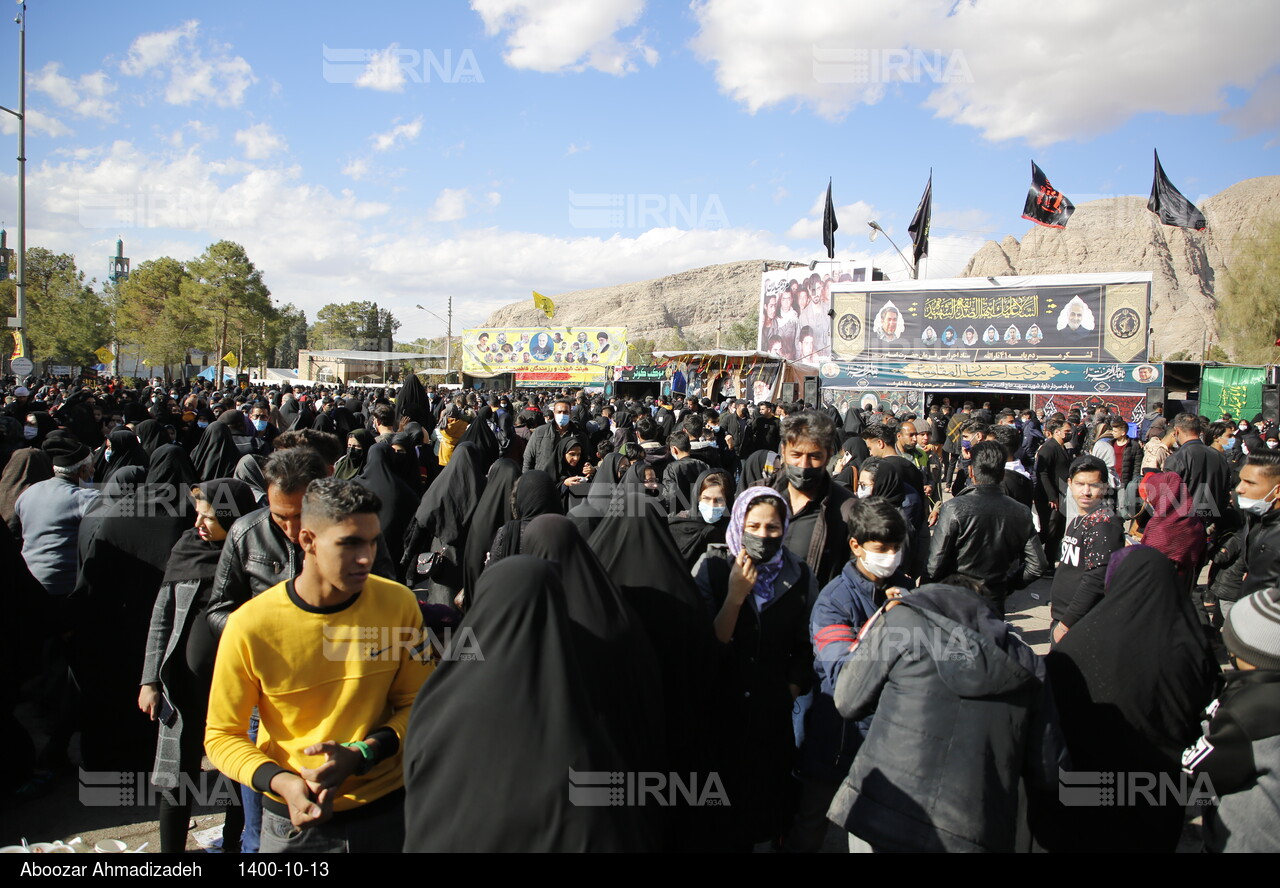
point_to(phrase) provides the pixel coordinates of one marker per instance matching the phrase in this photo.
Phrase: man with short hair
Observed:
(332, 661)
(541, 452)
(681, 474)
(1258, 494)
(818, 531)
(384, 423)
(264, 433)
(1087, 545)
(1053, 465)
(763, 431)
(46, 517)
(986, 535)
(1203, 470)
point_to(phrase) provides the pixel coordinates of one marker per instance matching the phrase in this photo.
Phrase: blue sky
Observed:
(405, 152)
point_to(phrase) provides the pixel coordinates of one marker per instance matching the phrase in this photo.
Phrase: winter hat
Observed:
(64, 449)
(21, 392)
(1252, 631)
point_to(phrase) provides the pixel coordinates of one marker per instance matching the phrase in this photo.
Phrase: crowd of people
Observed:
(431, 620)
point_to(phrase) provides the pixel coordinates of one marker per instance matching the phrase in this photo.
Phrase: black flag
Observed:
(919, 227)
(829, 225)
(1045, 204)
(1168, 203)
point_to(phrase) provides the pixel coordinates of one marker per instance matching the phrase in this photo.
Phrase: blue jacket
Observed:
(843, 606)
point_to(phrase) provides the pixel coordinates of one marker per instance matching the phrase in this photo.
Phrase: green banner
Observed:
(1234, 390)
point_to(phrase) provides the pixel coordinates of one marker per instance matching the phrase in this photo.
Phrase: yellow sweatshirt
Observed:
(315, 674)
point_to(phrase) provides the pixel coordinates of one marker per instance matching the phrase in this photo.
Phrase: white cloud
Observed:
(397, 135)
(567, 35)
(852, 219)
(177, 57)
(494, 198)
(1040, 72)
(315, 247)
(575, 148)
(260, 141)
(780, 194)
(38, 124)
(86, 96)
(202, 130)
(357, 168)
(450, 205)
(1261, 113)
(384, 72)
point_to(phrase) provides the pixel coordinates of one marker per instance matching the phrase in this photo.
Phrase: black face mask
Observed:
(356, 455)
(805, 479)
(760, 549)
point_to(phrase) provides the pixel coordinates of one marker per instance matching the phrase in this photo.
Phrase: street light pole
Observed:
(20, 266)
(448, 335)
(877, 230)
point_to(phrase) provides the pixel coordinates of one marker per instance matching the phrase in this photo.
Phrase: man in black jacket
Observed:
(540, 452)
(986, 535)
(1259, 496)
(818, 533)
(1203, 470)
(763, 431)
(1052, 466)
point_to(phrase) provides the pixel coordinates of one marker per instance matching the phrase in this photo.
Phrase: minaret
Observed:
(119, 263)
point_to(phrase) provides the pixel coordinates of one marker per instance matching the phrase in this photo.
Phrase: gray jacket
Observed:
(1239, 755)
(256, 556)
(958, 720)
(169, 619)
(540, 452)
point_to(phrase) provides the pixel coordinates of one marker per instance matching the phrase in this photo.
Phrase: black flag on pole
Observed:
(1045, 204)
(829, 225)
(1168, 203)
(919, 227)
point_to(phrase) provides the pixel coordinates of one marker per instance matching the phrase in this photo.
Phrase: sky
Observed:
(408, 153)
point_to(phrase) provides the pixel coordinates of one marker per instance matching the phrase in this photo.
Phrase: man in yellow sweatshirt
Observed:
(333, 660)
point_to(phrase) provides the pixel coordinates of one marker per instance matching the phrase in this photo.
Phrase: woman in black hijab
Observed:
(587, 512)
(179, 659)
(441, 524)
(412, 401)
(480, 434)
(43, 424)
(573, 474)
(404, 460)
(249, 470)
(216, 455)
(152, 435)
(759, 468)
(851, 457)
(625, 684)
(534, 494)
(398, 499)
(1129, 681)
(641, 557)
(707, 518)
(125, 544)
(491, 743)
(121, 449)
(493, 511)
(351, 463)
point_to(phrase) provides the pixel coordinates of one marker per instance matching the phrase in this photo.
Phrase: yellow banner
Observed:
(580, 350)
(543, 304)
(105, 355)
(229, 359)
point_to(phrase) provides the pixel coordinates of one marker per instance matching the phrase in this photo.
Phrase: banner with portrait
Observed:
(940, 376)
(1089, 318)
(795, 306)
(554, 351)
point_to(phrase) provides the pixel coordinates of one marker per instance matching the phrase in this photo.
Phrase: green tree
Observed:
(66, 319)
(640, 352)
(227, 284)
(362, 326)
(1249, 300)
(288, 336)
(156, 313)
(744, 333)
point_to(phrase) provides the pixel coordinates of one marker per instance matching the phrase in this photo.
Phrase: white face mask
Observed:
(1257, 506)
(881, 565)
(864, 491)
(711, 514)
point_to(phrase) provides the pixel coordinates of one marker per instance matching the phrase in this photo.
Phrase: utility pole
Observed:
(448, 341)
(19, 322)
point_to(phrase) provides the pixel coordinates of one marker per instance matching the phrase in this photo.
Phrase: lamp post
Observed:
(876, 231)
(19, 322)
(448, 336)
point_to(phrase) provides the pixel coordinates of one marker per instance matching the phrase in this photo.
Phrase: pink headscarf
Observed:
(1175, 530)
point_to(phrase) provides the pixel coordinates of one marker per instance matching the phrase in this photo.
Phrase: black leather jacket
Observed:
(986, 535)
(256, 556)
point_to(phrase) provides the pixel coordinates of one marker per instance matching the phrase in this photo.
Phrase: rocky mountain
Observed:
(1120, 234)
(1114, 234)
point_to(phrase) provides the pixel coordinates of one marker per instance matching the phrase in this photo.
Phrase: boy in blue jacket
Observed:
(877, 534)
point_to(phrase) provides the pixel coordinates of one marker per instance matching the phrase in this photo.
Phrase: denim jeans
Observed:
(252, 802)
(376, 828)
